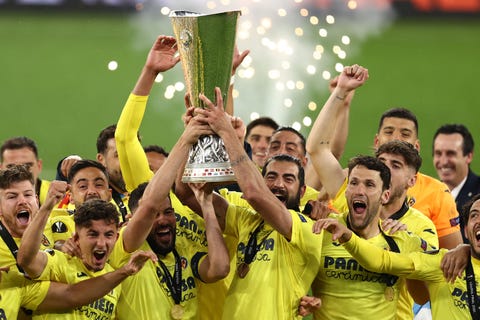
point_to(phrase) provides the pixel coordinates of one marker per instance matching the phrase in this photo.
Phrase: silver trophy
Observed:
(206, 46)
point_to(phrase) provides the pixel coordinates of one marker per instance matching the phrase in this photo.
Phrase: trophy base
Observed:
(208, 172)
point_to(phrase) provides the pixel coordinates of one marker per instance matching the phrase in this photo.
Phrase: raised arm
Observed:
(159, 187)
(61, 296)
(133, 161)
(248, 177)
(237, 60)
(29, 257)
(216, 265)
(339, 140)
(327, 167)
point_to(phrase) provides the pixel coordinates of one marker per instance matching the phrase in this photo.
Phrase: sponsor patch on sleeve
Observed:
(302, 218)
(455, 221)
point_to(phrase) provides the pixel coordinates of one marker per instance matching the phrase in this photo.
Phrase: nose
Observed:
(278, 183)
(359, 189)
(263, 144)
(22, 199)
(101, 242)
(92, 190)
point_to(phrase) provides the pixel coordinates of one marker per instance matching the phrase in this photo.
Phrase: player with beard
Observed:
(452, 297)
(342, 281)
(168, 289)
(277, 254)
(401, 158)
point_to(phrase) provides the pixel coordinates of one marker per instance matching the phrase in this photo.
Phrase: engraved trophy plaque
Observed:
(206, 45)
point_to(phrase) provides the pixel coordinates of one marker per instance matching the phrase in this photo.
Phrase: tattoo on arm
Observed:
(238, 160)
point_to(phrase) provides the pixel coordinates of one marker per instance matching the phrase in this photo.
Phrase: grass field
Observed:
(57, 90)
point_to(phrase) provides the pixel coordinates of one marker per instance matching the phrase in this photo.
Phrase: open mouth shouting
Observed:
(99, 258)
(280, 194)
(23, 217)
(359, 206)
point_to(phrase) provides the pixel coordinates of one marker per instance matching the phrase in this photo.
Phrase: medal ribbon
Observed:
(8, 239)
(174, 283)
(252, 247)
(473, 303)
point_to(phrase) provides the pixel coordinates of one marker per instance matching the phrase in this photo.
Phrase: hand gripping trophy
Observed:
(206, 46)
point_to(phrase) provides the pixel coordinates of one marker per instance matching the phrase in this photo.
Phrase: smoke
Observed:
(296, 47)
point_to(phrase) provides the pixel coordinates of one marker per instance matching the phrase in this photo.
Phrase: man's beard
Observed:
(292, 203)
(161, 250)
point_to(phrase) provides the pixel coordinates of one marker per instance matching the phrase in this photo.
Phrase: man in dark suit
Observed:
(452, 155)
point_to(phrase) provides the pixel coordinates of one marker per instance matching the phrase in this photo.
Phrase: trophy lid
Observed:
(184, 13)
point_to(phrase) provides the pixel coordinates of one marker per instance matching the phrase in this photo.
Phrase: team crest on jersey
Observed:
(183, 263)
(423, 245)
(411, 201)
(45, 241)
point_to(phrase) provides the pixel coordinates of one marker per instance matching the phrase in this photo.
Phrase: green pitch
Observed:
(56, 87)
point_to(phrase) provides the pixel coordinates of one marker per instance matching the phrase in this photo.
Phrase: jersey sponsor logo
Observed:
(100, 309)
(188, 286)
(460, 298)
(263, 252)
(455, 221)
(350, 269)
(189, 229)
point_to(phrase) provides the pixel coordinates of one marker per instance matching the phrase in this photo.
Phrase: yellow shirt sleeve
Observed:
(377, 259)
(133, 161)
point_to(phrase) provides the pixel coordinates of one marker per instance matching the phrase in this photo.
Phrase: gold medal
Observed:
(243, 269)
(389, 293)
(177, 312)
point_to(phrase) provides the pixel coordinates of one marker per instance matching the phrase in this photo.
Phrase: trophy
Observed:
(206, 45)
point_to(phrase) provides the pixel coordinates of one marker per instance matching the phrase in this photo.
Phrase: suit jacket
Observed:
(469, 189)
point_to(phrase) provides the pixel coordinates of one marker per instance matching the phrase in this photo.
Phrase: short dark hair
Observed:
(287, 158)
(16, 143)
(262, 121)
(82, 164)
(14, 174)
(290, 129)
(155, 148)
(94, 210)
(103, 137)
(465, 214)
(371, 163)
(135, 196)
(468, 143)
(401, 113)
(404, 149)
